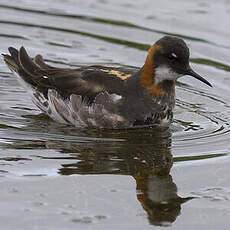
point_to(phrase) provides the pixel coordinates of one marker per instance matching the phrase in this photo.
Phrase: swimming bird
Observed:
(107, 97)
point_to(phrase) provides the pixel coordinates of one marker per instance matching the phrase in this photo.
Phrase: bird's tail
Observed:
(12, 60)
(30, 70)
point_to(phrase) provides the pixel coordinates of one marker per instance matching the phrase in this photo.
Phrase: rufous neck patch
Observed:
(148, 74)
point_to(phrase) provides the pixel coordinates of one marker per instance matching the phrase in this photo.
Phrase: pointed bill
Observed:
(197, 76)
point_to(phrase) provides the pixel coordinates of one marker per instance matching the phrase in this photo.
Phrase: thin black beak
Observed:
(197, 76)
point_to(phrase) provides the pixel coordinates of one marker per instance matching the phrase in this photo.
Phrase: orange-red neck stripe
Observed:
(148, 74)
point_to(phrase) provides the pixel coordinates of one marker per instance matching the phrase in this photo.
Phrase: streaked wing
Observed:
(84, 81)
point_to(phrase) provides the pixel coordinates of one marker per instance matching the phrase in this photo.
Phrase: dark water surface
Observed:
(57, 177)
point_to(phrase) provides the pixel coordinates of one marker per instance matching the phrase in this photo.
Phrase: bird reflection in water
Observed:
(145, 154)
(158, 196)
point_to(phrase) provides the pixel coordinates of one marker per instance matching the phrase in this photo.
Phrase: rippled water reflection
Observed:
(105, 179)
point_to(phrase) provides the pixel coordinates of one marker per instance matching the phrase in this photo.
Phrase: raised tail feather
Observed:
(30, 70)
(12, 60)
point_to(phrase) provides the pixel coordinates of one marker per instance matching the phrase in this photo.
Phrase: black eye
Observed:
(172, 57)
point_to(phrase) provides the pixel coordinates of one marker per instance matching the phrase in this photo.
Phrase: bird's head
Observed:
(167, 60)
